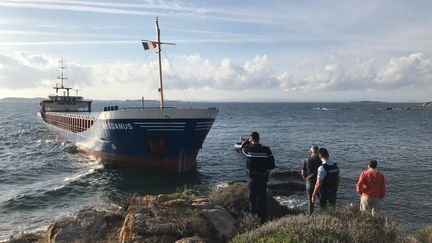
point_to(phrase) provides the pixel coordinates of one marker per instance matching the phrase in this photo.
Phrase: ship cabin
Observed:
(65, 103)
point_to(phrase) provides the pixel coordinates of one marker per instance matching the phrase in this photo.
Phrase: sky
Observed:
(225, 50)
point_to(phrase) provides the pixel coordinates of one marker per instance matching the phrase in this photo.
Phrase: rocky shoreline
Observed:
(221, 216)
(178, 217)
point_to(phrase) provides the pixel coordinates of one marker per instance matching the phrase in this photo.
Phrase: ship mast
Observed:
(62, 78)
(161, 102)
(62, 67)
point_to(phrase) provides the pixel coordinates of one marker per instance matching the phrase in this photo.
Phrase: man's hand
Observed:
(314, 198)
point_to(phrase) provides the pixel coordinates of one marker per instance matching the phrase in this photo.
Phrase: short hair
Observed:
(323, 153)
(372, 163)
(255, 136)
(314, 149)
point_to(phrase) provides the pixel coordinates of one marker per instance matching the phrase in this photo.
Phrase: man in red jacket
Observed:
(372, 188)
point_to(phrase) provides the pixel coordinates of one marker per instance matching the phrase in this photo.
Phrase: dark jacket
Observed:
(260, 159)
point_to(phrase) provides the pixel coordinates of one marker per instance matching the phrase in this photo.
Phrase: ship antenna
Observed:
(161, 104)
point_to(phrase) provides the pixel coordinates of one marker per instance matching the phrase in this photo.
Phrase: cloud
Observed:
(200, 72)
(413, 71)
(196, 72)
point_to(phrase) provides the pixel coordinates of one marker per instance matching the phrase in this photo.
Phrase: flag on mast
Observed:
(149, 44)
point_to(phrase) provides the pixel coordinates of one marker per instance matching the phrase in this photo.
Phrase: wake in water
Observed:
(83, 173)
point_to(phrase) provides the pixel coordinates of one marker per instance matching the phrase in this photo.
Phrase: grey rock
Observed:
(223, 223)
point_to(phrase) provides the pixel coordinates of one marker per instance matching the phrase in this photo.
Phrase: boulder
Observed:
(286, 175)
(234, 199)
(86, 225)
(286, 188)
(222, 222)
(174, 217)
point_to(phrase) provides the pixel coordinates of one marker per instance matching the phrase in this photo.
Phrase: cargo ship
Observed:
(154, 138)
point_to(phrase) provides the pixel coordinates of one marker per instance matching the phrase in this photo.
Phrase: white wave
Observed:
(322, 109)
(293, 201)
(83, 173)
(221, 185)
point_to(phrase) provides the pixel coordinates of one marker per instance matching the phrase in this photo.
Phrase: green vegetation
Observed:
(349, 225)
(421, 236)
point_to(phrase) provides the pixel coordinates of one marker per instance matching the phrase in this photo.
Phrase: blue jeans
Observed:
(310, 185)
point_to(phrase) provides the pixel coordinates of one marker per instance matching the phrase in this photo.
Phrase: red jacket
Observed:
(371, 184)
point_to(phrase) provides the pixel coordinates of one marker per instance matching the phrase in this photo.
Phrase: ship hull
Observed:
(154, 139)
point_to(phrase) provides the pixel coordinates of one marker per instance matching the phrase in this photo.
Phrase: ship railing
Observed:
(144, 108)
(70, 122)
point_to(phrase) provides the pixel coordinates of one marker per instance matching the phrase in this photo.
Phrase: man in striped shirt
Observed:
(372, 188)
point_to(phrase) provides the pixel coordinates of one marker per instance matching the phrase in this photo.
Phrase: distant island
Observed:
(20, 99)
(369, 102)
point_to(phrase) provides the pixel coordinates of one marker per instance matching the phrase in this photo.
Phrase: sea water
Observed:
(42, 179)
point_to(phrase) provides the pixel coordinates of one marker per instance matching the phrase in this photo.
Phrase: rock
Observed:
(203, 205)
(223, 223)
(86, 225)
(194, 239)
(176, 218)
(234, 199)
(286, 188)
(286, 175)
(27, 237)
(175, 203)
(163, 198)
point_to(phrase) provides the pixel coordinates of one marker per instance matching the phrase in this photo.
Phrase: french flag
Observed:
(149, 44)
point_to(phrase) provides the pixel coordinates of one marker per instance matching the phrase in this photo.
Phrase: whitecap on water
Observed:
(322, 109)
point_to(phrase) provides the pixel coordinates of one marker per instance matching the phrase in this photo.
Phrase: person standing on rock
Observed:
(327, 182)
(309, 173)
(372, 188)
(260, 161)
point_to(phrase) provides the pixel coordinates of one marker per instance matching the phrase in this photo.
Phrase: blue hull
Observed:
(169, 144)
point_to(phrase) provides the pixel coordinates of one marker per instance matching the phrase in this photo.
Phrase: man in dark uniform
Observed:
(309, 173)
(260, 161)
(327, 182)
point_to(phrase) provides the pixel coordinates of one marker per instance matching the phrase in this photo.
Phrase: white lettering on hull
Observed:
(117, 126)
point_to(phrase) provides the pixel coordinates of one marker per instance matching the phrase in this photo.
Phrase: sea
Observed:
(43, 179)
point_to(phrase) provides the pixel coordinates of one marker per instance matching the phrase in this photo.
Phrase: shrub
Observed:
(423, 236)
(349, 225)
